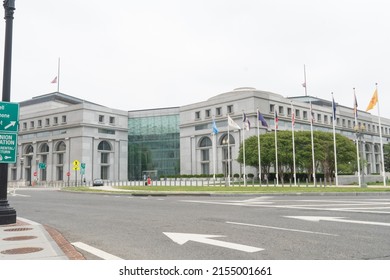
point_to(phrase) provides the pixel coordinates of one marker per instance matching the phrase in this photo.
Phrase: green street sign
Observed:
(9, 116)
(9, 120)
(8, 147)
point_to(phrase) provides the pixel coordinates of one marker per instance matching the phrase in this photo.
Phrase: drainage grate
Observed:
(18, 251)
(17, 229)
(19, 238)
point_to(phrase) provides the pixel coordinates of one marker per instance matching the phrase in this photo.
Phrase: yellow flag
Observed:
(373, 101)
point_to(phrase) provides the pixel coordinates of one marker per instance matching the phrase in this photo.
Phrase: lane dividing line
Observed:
(94, 251)
(279, 228)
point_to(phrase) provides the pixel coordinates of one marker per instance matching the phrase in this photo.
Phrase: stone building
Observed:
(57, 131)
(196, 142)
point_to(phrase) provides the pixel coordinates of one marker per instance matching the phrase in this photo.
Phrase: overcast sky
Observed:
(142, 54)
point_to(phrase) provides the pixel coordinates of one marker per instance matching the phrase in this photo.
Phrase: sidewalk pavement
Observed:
(28, 240)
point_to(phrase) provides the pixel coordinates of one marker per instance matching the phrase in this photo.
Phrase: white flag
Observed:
(232, 123)
(247, 125)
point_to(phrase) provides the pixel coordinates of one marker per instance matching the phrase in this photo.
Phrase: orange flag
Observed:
(373, 101)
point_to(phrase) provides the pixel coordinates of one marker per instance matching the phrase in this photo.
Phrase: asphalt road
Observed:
(217, 227)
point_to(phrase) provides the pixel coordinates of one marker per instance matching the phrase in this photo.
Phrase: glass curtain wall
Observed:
(154, 146)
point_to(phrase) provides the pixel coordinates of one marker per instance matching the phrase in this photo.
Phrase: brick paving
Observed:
(64, 244)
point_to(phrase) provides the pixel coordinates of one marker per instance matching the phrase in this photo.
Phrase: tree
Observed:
(323, 151)
(386, 154)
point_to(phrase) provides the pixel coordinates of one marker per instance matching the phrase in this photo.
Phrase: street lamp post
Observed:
(7, 213)
(359, 130)
(21, 169)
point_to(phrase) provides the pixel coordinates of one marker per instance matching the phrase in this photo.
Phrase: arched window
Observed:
(60, 149)
(29, 150)
(205, 145)
(226, 138)
(227, 153)
(43, 152)
(44, 148)
(205, 142)
(60, 146)
(104, 148)
(28, 156)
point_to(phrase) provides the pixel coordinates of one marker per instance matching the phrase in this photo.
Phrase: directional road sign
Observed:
(9, 116)
(8, 147)
(82, 170)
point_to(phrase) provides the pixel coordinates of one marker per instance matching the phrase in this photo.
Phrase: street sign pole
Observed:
(76, 167)
(7, 213)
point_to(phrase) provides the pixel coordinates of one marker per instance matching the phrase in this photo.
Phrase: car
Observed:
(97, 182)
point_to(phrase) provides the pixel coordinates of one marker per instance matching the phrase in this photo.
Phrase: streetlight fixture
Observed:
(7, 213)
(359, 130)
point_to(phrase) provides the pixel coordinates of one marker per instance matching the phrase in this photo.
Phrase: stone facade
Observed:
(55, 130)
(197, 154)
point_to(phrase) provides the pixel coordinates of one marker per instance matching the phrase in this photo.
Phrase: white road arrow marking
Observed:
(182, 238)
(336, 219)
(97, 252)
(11, 123)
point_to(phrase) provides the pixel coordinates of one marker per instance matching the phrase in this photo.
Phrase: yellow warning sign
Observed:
(76, 165)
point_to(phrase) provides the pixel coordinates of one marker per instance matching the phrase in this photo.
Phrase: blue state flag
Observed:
(261, 119)
(215, 129)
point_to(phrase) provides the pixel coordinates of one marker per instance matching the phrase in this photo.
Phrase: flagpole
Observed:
(243, 145)
(228, 163)
(58, 75)
(214, 150)
(312, 144)
(293, 142)
(276, 149)
(357, 142)
(258, 145)
(243, 150)
(214, 154)
(381, 140)
(304, 76)
(334, 141)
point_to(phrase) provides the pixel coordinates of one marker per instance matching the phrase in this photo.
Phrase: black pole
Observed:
(7, 214)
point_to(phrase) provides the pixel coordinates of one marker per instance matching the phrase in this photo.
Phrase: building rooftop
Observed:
(55, 96)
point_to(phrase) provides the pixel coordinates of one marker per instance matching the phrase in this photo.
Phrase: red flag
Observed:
(293, 118)
(54, 80)
(276, 120)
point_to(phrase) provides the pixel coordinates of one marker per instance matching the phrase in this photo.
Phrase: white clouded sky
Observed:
(140, 54)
